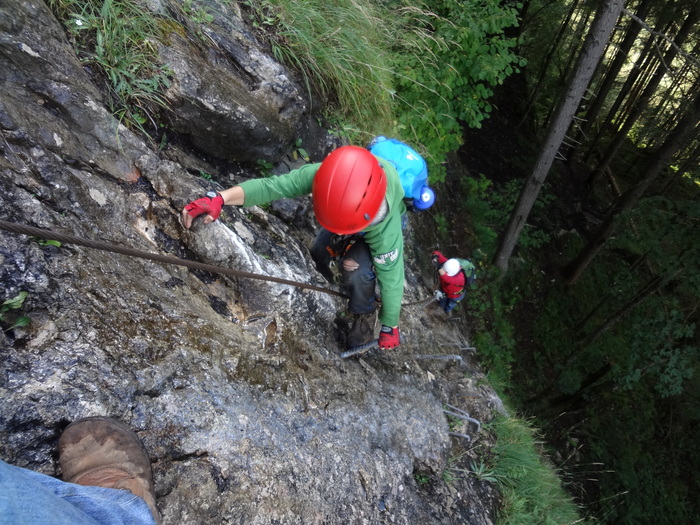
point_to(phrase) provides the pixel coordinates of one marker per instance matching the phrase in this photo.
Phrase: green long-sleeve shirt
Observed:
(385, 240)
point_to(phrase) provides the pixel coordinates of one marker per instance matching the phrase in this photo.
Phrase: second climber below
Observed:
(452, 279)
(358, 201)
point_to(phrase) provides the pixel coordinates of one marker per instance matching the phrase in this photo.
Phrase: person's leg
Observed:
(451, 303)
(32, 498)
(321, 255)
(358, 278)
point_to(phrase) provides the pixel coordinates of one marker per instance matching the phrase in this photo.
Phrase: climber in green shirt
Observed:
(358, 200)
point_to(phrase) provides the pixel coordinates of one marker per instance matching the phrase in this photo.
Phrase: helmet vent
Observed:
(361, 201)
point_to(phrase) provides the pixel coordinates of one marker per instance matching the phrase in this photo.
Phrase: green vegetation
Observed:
(43, 242)
(196, 14)
(14, 304)
(340, 48)
(117, 38)
(623, 341)
(530, 488)
(448, 57)
(413, 70)
(421, 479)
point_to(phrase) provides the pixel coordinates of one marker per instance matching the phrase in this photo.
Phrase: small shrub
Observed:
(14, 304)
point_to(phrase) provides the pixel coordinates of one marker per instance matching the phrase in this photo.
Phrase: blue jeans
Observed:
(30, 498)
(448, 304)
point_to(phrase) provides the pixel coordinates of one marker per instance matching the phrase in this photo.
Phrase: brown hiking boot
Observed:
(104, 452)
(362, 331)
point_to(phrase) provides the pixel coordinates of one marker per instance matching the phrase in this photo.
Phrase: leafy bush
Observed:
(416, 70)
(449, 54)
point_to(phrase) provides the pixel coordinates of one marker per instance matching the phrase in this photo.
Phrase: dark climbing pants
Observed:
(330, 250)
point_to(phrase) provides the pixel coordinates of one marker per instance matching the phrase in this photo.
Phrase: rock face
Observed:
(235, 386)
(231, 99)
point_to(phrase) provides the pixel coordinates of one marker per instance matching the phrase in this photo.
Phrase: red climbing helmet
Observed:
(348, 189)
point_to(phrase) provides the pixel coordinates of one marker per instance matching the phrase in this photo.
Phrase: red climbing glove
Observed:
(210, 204)
(435, 257)
(389, 337)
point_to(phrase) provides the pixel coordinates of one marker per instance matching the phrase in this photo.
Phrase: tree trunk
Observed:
(585, 66)
(575, 51)
(678, 90)
(663, 156)
(649, 91)
(690, 162)
(613, 71)
(647, 59)
(545, 64)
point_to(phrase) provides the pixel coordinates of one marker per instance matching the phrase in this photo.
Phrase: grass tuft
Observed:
(117, 38)
(531, 489)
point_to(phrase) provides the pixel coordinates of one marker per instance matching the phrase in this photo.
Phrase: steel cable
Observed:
(50, 235)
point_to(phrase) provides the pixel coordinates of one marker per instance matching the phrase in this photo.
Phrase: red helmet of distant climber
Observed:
(348, 190)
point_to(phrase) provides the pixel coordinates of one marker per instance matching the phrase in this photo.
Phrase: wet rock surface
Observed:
(235, 386)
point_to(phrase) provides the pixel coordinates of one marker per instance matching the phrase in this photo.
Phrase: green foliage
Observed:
(265, 167)
(117, 37)
(530, 487)
(489, 208)
(449, 476)
(658, 350)
(339, 48)
(651, 465)
(421, 479)
(412, 70)
(489, 308)
(481, 471)
(300, 152)
(14, 304)
(43, 242)
(486, 222)
(441, 224)
(449, 55)
(649, 355)
(196, 14)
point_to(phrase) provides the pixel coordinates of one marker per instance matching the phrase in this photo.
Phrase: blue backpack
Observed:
(412, 169)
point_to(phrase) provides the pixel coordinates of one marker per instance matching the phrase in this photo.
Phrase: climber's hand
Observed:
(210, 204)
(389, 337)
